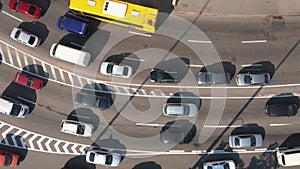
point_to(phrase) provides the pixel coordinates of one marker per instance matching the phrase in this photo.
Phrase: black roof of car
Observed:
(281, 109)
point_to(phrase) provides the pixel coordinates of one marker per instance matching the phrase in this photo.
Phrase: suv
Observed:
(26, 8)
(71, 25)
(281, 109)
(28, 81)
(24, 37)
(76, 128)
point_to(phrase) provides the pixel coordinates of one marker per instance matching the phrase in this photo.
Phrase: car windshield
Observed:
(248, 79)
(253, 140)
(226, 166)
(109, 68)
(266, 78)
(80, 129)
(16, 5)
(15, 110)
(109, 159)
(17, 34)
(31, 40)
(8, 160)
(186, 110)
(125, 72)
(92, 156)
(30, 82)
(208, 78)
(237, 141)
(31, 10)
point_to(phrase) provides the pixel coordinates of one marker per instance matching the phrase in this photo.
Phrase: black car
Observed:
(160, 76)
(92, 101)
(281, 109)
(175, 135)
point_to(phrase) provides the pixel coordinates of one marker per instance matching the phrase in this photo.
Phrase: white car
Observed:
(111, 69)
(225, 164)
(103, 157)
(76, 128)
(247, 140)
(180, 109)
(25, 37)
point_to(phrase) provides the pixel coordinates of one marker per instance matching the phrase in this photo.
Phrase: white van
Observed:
(69, 54)
(12, 107)
(288, 157)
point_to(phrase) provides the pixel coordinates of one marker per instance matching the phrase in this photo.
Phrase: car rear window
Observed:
(17, 34)
(8, 160)
(16, 5)
(31, 10)
(31, 40)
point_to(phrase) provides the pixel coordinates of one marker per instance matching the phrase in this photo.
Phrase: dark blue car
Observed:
(71, 25)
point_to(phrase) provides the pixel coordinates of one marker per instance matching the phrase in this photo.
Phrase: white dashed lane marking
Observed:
(254, 41)
(16, 18)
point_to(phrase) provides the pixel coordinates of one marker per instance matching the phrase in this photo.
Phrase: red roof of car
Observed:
(26, 8)
(14, 161)
(28, 81)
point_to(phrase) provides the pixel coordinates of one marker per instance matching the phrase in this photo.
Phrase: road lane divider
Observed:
(14, 17)
(254, 41)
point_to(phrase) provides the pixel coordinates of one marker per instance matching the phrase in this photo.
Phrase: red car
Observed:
(8, 159)
(28, 81)
(26, 8)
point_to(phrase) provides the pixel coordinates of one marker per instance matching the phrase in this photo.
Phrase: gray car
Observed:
(89, 100)
(246, 79)
(213, 78)
(180, 109)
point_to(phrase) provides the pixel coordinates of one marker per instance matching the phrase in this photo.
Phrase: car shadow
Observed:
(37, 71)
(249, 129)
(127, 58)
(37, 28)
(84, 115)
(45, 4)
(148, 164)
(259, 67)
(78, 162)
(185, 97)
(220, 67)
(176, 67)
(291, 141)
(284, 98)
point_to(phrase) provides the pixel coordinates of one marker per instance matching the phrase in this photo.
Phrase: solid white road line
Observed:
(199, 41)
(222, 126)
(20, 20)
(136, 59)
(137, 33)
(187, 65)
(254, 41)
(145, 124)
(257, 65)
(279, 125)
(29, 101)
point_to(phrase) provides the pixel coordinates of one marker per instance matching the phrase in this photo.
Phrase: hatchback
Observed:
(71, 25)
(281, 109)
(89, 100)
(25, 37)
(76, 128)
(224, 164)
(112, 69)
(213, 78)
(160, 76)
(26, 8)
(103, 157)
(28, 81)
(252, 79)
(180, 109)
(247, 140)
(8, 159)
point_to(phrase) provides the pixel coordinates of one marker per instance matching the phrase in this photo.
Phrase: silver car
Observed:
(224, 164)
(213, 78)
(76, 128)
(253, 79)
(25, 37)
(180, 109)
(248, 140)
(112, 69)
